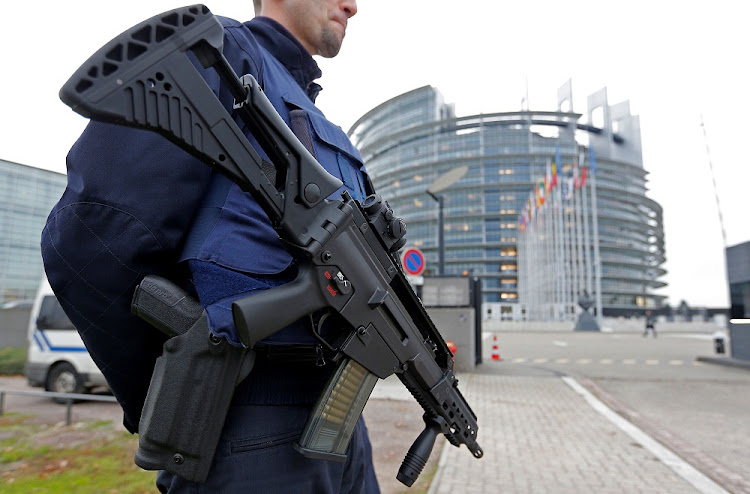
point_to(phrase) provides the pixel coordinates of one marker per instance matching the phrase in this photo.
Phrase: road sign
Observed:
(413, 261)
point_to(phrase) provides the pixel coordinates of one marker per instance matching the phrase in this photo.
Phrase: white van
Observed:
(57, 359)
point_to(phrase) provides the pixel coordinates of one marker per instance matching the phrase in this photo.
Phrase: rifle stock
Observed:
(345, 248)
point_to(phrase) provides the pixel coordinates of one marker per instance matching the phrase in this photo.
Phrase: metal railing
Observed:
(70, 399)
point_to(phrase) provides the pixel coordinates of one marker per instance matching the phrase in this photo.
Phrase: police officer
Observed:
(650, 324)
(136, 204)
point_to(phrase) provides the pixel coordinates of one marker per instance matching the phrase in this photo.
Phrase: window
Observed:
(52, 316)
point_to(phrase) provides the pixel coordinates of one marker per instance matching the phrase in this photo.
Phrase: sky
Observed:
(678, 63)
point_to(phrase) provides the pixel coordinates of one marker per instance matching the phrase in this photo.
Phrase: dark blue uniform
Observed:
(136, 204)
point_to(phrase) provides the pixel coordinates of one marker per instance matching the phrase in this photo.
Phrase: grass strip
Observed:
(87, 457)
(12, 360)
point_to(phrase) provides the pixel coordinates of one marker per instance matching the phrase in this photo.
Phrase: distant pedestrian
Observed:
(650, 324)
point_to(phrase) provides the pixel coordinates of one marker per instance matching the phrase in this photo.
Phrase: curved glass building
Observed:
(410, 140)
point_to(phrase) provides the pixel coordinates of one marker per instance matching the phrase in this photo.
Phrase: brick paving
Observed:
(539, 436)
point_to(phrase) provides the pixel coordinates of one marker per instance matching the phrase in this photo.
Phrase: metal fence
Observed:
(70, 399)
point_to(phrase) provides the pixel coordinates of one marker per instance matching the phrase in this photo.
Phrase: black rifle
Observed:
(144, 78)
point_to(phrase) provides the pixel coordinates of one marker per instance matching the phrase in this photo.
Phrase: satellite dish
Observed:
(447, 179)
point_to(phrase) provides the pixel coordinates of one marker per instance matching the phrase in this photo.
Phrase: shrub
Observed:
(12, 360)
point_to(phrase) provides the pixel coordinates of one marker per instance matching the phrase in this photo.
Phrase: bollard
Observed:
(719, 344)
(495, 349)
(68, 412)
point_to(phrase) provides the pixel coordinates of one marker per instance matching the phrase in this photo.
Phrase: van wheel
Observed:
(63, 378)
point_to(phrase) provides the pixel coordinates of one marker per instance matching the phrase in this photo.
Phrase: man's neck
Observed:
(289, 51)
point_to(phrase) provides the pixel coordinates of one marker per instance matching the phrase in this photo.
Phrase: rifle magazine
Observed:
(332, 421)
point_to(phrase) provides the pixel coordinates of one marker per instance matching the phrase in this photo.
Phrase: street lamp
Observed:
(438, 185)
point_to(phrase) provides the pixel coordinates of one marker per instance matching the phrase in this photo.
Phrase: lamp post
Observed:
(438, 185)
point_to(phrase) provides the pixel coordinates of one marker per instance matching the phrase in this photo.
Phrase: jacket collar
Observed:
(285, 48)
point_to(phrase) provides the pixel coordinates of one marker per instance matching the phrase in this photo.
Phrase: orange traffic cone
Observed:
(451, 346)
(495, 350)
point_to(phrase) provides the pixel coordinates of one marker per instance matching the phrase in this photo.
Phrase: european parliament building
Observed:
(615, 248)
(27, 195)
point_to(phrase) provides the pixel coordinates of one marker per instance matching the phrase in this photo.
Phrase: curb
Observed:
(727, 361)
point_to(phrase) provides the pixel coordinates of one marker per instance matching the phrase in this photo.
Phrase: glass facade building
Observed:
(410, 140)
(27, 195)
(738, 276)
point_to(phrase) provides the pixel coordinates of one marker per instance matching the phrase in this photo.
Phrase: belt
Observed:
(291, 353)
(285, 375)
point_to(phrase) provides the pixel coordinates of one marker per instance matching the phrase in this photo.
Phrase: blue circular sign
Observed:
(413, 261)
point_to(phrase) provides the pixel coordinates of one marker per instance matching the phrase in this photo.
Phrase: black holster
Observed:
(191, 387)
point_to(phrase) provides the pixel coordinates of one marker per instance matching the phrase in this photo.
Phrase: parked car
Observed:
(57, 358)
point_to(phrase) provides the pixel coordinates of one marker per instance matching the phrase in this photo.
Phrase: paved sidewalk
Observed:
(540, 435)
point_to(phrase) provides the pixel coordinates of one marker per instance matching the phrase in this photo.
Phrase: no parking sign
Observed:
(413, 262)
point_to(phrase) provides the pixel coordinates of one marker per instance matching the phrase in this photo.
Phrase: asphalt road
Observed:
(699, 410)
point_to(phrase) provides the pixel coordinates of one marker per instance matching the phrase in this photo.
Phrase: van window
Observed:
(52, 316)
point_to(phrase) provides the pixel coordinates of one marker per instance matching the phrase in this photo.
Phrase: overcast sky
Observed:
(674, 61)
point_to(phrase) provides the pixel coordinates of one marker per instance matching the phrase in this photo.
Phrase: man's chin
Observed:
(330, 44)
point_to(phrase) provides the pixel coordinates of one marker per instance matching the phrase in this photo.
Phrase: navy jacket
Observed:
(136, 204)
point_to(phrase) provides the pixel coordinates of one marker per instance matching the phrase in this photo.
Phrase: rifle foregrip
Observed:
(417, 456)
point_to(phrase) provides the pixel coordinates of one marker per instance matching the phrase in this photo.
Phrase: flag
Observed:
(557, 163)
(576, 180)
(541, 196)
(548, 178)
(538, 198)
(554, 175)
(583, 176)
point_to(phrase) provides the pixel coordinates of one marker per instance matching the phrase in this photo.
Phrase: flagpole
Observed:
(551, 278)
(529, 259)
(581, 280)
(586, 238)
(531, 242)
(520, 259)
(579, 229)
(533, 261)
(570, 272)
(552, 271)
(562, 249)
(549, 272)
(528, 262)
(713, 180)
(545, 271)
(573, 240)
(595, 228)
(561, 253)
(525, 272)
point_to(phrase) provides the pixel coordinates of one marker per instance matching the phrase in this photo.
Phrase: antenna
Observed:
(713, 179)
